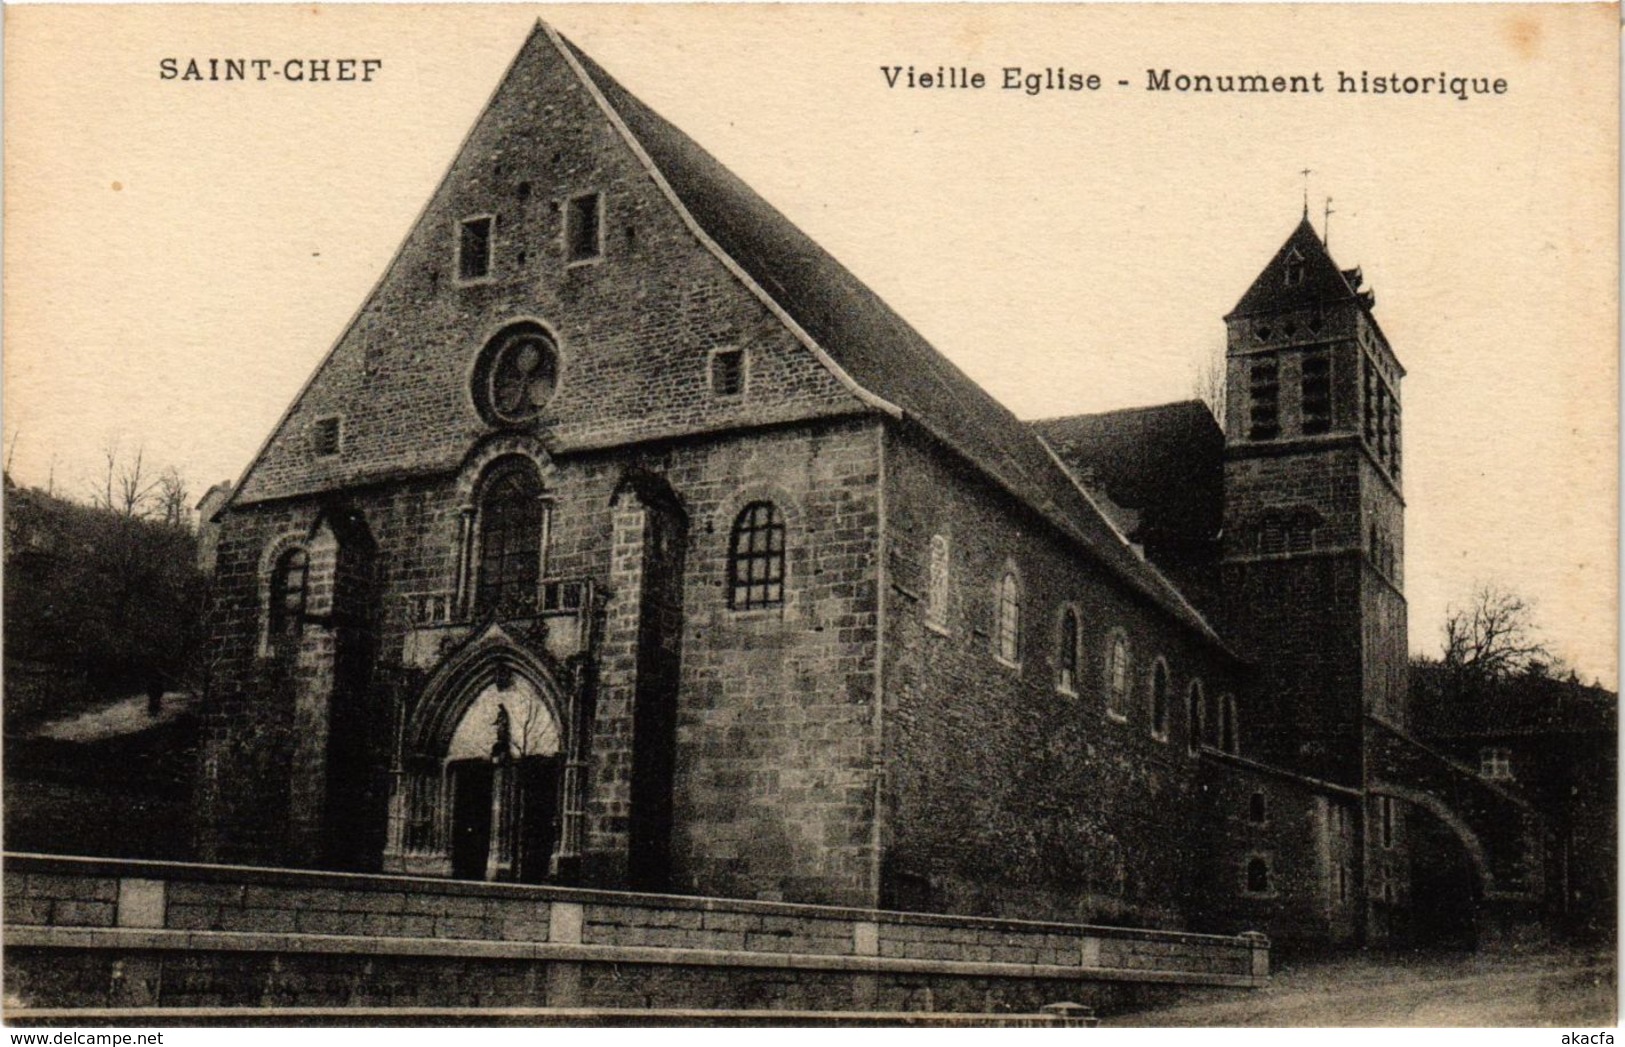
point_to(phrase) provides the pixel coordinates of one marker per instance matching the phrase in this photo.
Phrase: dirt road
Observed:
(1551, 987)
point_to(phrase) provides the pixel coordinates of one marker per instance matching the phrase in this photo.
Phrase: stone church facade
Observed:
(625, 539)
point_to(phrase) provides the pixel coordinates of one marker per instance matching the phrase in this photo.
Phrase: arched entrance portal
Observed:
(502, 767)
(1448, 878)
(477, 791)
(1446, 897)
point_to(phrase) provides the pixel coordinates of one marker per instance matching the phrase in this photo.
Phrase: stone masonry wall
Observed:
(1007, 793)
(774, 763)
(774, 793)
(1502, 832)
(1306, 836)
(1384, 612)
(1300, 617)
(96, 933)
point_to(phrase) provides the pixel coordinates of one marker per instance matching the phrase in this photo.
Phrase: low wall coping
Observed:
(123, 868)
(566, 1016)
(144, 939)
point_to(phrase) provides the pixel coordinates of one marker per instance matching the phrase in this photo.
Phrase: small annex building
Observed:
(626, 539)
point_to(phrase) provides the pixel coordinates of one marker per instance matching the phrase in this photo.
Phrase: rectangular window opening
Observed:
(583, 233)
(728, 372)
(1495, 763)
(474, 249)
(325, 436)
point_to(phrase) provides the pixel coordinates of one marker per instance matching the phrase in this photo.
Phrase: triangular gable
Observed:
(398, 378)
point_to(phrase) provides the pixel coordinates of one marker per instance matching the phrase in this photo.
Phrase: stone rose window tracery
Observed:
(518, 375)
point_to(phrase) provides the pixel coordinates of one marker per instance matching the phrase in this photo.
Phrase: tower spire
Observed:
(1326, 225)
(1306, 172)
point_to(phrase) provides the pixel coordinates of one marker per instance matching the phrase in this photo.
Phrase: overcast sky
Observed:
(180, 256)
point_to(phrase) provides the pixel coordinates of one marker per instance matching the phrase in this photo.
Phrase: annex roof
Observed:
(1166, 461)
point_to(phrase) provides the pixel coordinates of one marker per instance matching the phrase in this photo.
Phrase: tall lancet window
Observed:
(1007, 642)
(1067, 677)
(1195, 716)
(1264, 398)
(288, 590)
(1160, 687)
(1117, 676)
(936, 596)
(513, 518)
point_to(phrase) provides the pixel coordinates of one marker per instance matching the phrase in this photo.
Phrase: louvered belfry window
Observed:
(1316, 387)
(756, 558)
(512, 518)
(1264, 390)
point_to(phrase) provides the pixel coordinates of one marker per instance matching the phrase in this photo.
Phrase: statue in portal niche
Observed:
(503, 745)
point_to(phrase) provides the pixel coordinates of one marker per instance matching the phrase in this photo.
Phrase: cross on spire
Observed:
(1326, 225)
(1306, 172)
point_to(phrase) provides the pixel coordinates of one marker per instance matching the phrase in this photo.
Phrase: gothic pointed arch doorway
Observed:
(479, 785)
(502, 769)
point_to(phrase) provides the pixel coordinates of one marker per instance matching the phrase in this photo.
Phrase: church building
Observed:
(626, 539)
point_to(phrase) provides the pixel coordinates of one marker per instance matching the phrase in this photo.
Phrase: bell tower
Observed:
(1313, 557)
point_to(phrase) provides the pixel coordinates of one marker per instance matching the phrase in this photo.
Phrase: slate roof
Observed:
(1166, 461)
(872, 344)
(1323, 282)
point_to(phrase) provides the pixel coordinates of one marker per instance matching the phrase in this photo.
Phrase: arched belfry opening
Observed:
(479, 784)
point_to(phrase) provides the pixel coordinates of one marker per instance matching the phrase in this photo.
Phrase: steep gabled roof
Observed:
(870, 343)
(1321, 282)
(1166, 461)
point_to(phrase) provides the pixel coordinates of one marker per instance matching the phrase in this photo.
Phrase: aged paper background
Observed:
(180, 255)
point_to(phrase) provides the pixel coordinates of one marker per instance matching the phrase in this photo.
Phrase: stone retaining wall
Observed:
(97, 933)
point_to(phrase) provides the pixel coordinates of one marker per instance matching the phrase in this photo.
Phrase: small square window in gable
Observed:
(474, 248)
(728, 372)
(583, 228)
(325, 436)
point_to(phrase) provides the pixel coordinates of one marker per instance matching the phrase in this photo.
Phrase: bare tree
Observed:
(103, 498)
(534, 727)
(173, 498)
(1492, 637)
(1209, 385)
(135, 486)
(125, 487)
